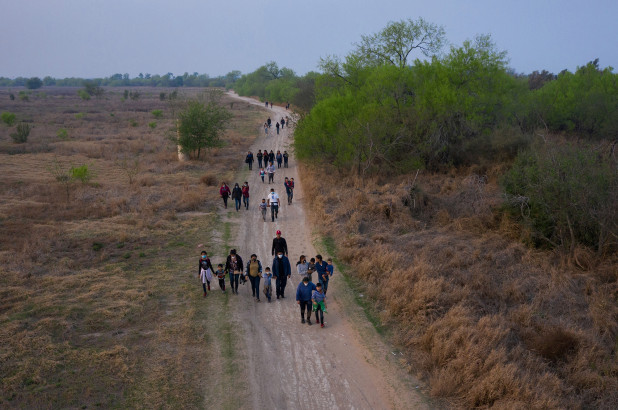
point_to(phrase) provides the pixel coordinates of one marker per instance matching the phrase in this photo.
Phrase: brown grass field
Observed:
(98, 289)
(486, 321)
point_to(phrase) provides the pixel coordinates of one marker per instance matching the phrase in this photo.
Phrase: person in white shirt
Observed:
(273, 203)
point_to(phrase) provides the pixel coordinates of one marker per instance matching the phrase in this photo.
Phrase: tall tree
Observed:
(398, 39)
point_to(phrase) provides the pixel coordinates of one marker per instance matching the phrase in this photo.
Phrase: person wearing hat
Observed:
(279, 244)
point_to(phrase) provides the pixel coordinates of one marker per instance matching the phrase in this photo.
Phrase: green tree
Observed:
(397, 40)
(93, 88)
(8, 118)
(34, 83)
(201, 123)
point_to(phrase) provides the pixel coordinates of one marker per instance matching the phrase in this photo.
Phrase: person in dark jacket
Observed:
(205, 264)
(303, 298)
(279, 244)
(271, 157)
(279, 158)
(237, 196)
(249, 160)
(259, 158)
(281, 272)
(234, 267)
(321, 268)
(286, 157)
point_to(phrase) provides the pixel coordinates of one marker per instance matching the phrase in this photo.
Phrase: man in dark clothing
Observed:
(279, 244)
(303, 298)
(249, 160)
(281, 272)
(259, 158)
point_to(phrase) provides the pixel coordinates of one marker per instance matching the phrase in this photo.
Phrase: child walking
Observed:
(263, 209)
(267, 276)
(262, 174)
(319, 304)
(220, 273)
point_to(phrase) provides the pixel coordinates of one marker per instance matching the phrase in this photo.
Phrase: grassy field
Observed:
(484, 320)
(99, 300)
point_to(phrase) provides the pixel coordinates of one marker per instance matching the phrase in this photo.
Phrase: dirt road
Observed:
(292, 365)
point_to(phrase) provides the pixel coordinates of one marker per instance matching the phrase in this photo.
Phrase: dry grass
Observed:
(98, 301)
(486, 321)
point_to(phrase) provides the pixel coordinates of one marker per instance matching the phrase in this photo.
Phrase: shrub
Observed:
(12, 97)
(21, 134)
(134, 95)
(567, 194)
(152, 124)
(162, 96)
(62, 133)
(157, 113)
(133, 123)
(125, 94)
(83, 94)
(79, 115)
(8, 118)
(24, 96)
(97, 246)
(81, 173)
(209, 179)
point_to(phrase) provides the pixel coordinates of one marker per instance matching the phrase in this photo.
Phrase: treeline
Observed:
(377, 112)
(124, 80)
(271, 83)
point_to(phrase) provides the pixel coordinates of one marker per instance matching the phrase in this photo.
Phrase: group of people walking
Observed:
(278, 125)
(309, 296)
(266, 158)
(238, 194)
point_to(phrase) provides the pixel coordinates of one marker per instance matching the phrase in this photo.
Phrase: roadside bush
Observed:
(8, 118)
(21, 133)
(162, 96)
(12, 97)
(157, 113)
(567, 194)
(152, 124)
(23, 96)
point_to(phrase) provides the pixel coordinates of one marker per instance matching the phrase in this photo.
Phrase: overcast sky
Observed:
(97, 38)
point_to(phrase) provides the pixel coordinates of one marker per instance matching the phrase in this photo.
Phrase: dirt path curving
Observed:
(292, 365)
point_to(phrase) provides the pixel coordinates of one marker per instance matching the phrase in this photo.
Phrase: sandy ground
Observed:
(292, 365)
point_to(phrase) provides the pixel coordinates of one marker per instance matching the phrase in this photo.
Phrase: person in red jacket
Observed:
(245, 195)
(225, 193)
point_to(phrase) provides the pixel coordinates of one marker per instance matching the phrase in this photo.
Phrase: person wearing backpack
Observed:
(259, 158)
(249, 160)
(286, 156)
(202, 271)
(234, 268)
(245, 195)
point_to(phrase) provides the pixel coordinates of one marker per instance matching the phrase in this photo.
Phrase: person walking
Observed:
(279, 244)
(254, 272)
(321, 268)
(282, 122)
(263, 207)
(237, 196)
(259, 156)
(270, 169)
(271, 157)
(249, 160)
(304, 294)
(289, 189)
(245, 195)
(273, 203)
(277, 125)
(279, 159)
(234, 268)
(286, 156)
(204, 271)
(266, 129)
(318, 298)
(220, 274)
(262, 174)
(268, 121)
(302, 267)
(225, 193)
(311, 268)
(281, 273)
(268, 289)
